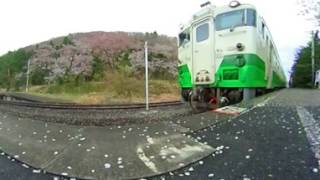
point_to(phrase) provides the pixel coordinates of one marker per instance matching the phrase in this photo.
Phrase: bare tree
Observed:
(311, 10)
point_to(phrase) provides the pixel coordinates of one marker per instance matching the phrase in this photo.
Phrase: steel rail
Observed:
(66, 106)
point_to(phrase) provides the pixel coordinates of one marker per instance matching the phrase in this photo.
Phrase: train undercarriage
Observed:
(205, 98)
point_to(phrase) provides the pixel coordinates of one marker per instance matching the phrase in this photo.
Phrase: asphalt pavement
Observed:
(267, 142)
(11, 169)
(277, 137)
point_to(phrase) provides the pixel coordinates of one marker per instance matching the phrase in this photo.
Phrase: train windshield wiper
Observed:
(234, 26)
(238, 24)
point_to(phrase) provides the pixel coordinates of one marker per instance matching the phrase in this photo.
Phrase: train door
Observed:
(203, 62)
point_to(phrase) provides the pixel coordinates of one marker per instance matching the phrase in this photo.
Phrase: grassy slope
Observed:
(115, 89)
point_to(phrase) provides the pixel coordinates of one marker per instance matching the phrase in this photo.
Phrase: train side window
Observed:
(263, 29)
(184, 38)
(202, 32)
(272, 47)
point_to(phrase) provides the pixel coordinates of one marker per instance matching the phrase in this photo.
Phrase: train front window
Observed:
(251, 17)
(232, 19)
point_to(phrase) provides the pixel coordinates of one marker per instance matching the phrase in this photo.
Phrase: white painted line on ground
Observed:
(230, 110)
(265, 101)
(262, 104)
(146, 160)
(184, 152)
(312, 128)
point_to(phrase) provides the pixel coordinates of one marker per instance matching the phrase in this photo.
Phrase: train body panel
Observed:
(223, 54)
(226, 51)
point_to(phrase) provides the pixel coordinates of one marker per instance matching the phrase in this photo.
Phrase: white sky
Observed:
(26, 22)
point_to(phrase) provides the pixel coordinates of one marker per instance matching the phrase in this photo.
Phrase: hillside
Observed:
(84, 63)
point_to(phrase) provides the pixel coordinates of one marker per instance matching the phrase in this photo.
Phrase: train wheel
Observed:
(198, 103)
(185, 94)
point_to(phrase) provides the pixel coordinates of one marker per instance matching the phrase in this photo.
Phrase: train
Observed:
(226, 54)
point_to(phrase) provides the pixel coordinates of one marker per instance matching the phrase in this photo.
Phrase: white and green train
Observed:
(227, 54)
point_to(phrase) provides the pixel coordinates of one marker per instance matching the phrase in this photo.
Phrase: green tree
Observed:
(12, 65)
(301, 75)
(98, 68)
(37, 76)
(67, 41)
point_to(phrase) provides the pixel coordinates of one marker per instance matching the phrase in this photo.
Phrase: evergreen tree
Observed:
(301, 75)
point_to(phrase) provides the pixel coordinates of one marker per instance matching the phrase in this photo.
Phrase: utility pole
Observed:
(312, 56)
(146, 74)
(28, 71)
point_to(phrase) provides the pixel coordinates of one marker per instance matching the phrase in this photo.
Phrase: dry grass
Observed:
(117, 88)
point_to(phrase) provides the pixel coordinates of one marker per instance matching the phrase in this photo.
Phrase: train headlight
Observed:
(234, 4)
(240, 47)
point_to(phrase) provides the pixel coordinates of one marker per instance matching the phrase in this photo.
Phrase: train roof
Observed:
(227, 8)
(212, 10)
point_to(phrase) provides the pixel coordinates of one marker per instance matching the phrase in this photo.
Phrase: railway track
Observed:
(87, 107)
(90, 115)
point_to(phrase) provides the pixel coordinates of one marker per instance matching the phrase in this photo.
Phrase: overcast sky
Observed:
(25, 22)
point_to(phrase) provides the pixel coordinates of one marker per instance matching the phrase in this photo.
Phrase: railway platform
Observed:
(276, 136)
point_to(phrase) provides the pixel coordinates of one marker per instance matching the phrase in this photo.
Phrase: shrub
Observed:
(37, 76)
(67, 41)
(125, 86)
(161, 73)
(98, 68)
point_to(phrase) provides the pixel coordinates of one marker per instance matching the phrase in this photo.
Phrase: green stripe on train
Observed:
(184, 76)
(277, 82)
(244, 71)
